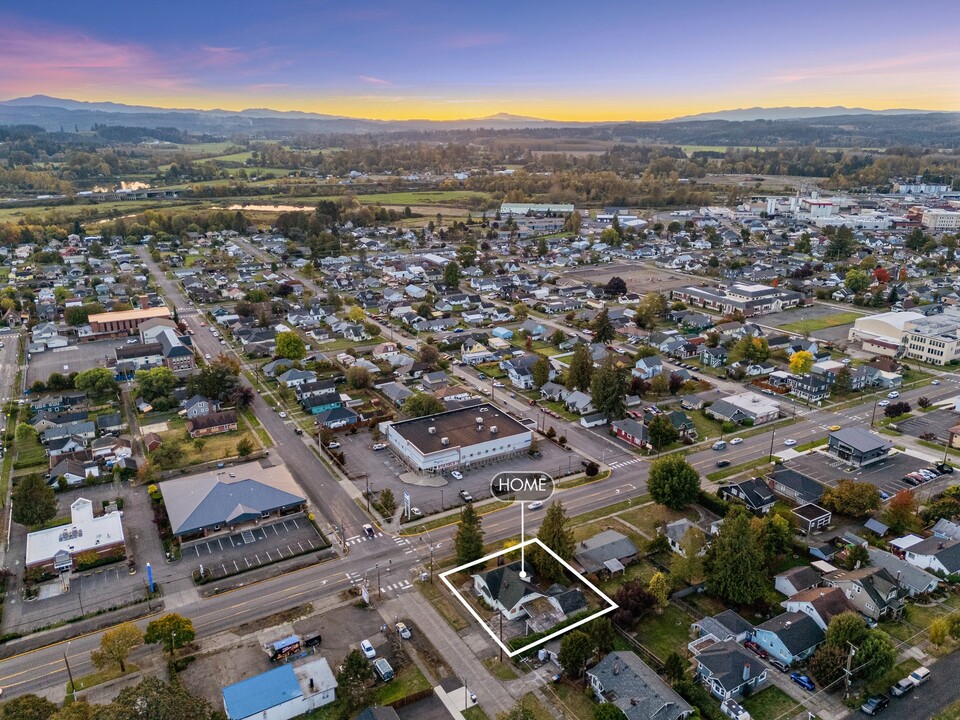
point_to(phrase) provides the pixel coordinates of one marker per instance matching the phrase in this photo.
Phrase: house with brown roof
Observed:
(212, 424)
(152, 441)
(821, 603)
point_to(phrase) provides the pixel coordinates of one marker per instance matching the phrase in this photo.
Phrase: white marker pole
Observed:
(523, 552)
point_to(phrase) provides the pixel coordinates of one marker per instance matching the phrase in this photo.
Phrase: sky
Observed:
(563, 60)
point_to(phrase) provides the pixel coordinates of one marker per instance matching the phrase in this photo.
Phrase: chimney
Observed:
(746, 671)
(144, 302)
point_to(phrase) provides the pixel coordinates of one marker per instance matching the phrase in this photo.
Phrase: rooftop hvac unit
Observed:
(479, 420)
(432, 430)
(493, 429)
(444, 441)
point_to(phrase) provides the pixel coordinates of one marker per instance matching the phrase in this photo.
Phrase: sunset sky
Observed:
(397, 59)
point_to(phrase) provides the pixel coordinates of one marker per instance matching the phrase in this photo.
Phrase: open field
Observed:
(805, 327)
(439, 197)
(639, 278)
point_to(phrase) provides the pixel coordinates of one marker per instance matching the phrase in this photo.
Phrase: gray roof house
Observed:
(608, 550)
(795, 580)
(789, 637)
(913, 579)
(726, 669)
(206, 503)
(724, 626)
(623, 679)
(503, 589)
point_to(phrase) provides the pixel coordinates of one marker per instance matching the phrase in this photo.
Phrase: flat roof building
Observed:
(858, 446)
(282, 693)
(934, 339)
(55, 549)
(457, 438)
(750, 299)
(511, 209)
(123, 322)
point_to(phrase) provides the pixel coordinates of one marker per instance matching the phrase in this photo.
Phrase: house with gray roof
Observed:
(936, 555)
(727, 669)
(199, 505)
(724, 626)
(795, 580)
(624, 680)
(789, 637)
(872, 590)
(607, 551)
(505, 591)
(914, 580)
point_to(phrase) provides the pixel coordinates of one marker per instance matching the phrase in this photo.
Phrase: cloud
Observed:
(466, 41)
(898, 64)
(212, 55)
(367, 79)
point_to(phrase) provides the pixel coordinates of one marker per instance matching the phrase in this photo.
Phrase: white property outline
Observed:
(611, 604)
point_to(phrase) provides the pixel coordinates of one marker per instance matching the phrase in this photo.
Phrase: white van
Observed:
(919, 676)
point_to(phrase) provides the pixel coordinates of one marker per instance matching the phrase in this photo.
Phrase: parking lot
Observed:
(77, 358)
(247, 550)
(937, 422)
(383, 470)
(886, 474)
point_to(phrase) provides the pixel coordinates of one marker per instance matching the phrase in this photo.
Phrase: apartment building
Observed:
(934, 339)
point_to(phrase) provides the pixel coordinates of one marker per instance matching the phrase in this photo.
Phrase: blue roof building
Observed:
(282, 693)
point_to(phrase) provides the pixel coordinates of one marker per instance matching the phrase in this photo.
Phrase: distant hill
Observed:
(791, 113)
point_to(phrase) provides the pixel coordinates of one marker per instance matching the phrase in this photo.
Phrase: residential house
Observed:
(809, 387)
(212, 423)
(110, 423)
(73, 471)
(608, 551)
(811, 518)
(872, 590)
(724, 626)
(789, 637)
(795, 486)
(336, 417)
(752, 492)
(295, 377)
(747, 406)
(198, 405)
(714, 356)
(795, 580)
(579, 402)
(631, 431)
(676, 531)
(727, 670)
(554, 392)
(623, 679)
(505, 591)
(821, 603)
(152, 441)
(936, 555)
(912, 579)
(648, 368)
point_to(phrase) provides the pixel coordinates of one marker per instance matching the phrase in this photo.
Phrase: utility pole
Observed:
(772, 436)
(368, 492)
(379, 589)
(501, 636)
(874, 415)
(73, 688)
(848, 672)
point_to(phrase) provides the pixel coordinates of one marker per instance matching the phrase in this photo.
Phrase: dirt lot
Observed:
(639, 277)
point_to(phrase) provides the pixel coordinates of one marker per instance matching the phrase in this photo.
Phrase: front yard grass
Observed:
(587, 530)
(573, 700)
(98, 678)
(215, 447)
(665, 633)
(650, 517)
(447, 606)
(407, 681)
(771, 703)
(500, 670)
(899, 672)
(29, 452)
(475, 713)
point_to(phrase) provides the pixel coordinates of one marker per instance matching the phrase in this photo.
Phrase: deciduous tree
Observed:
(659, 588)
(96, 381)
(673, 482)
(801, 362)
(116, 646)
(661, 431)
(850, 498)
(876, 655)
(422, 404)
(901, 511)
(290, 346)
(576, 649)
(828, 664)
(845, 628)
(170, 632)
(27, 707)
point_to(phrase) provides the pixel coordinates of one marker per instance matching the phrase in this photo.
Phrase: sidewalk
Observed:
(491, 694)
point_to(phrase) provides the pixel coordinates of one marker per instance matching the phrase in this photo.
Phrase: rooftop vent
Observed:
(432, 430)
(444, 441)
(493, 429)
(479, 420)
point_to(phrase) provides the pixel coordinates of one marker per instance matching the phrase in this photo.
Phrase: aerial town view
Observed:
(431, 361)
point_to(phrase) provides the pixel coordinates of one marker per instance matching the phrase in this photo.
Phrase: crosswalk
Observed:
(404, 544)
(624, 463)
(357, 539)
(356, 578)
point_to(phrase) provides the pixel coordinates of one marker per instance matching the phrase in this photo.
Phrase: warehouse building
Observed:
(458, 438)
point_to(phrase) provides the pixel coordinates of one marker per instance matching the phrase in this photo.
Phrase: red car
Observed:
(755, 649)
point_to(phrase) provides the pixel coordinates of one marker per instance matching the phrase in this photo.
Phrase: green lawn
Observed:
(451, 610)
(771, 703)
(951, 712)
(898, 672)
(407, 681)
(741, 468)
(438, 197)
(706, 427)
(500, 670)
(650, 517)
(475, 713)
(537, 710)
(572, 699)
(29, 452)
(666, 633)
(805, 327)
(100, 677)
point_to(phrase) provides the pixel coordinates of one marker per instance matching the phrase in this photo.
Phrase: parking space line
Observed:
(220, 542)
(236, 566)
(246, 561)
(300, 545)
(276, 532)
(295, 523)
(258, 559)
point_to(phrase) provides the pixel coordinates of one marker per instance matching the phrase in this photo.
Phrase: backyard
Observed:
(771, 703)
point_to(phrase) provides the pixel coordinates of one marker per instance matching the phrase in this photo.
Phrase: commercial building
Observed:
(858, 447)
(745, 406)
(515, 209)
(750, 299)
(457, 438)
(201, 504)
(939, 220)
(165, 349)
(934, 339)
(282, 693)
(56, 548)
(123, 322)
(882, 333)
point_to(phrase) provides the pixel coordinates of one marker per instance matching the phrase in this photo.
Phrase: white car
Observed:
(456, 475)
(367, 649)
(403, 631)
(934, 382)
(416, 512)
(790, 443)
(333, 446)
(736, 441)
(379, 446)
(883, 403)
(498, 384)
(282, 414)
(535, 505)
(893, 395)
(207, 356)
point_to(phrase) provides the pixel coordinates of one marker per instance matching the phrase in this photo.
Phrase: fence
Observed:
(648, 655)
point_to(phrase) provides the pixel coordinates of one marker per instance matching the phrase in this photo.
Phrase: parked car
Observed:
(367, 649)
(206, 356)
(298, 431)
(902, 687)
(456, 475)
(416, 512)
(408, 347)
(379, 446)
(465, 496)
(934, 382)
(535, 505)
(312, 641)
(803, 681)
(875, 704)
(945, 468)
(893, 395)
(755, 649)
(779, 665)
(736, 440)
(883, 403)
(920, 675)
(333, 445)
(910, 480)
(403, 631)
(283, 414)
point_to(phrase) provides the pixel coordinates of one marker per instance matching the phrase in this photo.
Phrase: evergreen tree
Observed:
(580, 371)
(34, 502)
(603, 331)
(451, 274)
(608, 388)
(555, 535)
(353, 679)
(540, 371)
(736, 570)
(468, 541)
